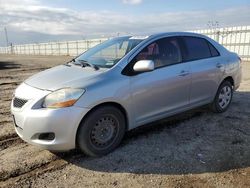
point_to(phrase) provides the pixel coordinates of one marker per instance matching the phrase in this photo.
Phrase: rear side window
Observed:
(196, 48)
(213, 50)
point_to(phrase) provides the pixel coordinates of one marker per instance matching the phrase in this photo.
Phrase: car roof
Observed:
(163, 34)
(177, 34)
(169, 34)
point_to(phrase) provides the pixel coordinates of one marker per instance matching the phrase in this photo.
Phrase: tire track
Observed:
(56, 162)
(9, 136)
(7, 88)
(5, 121)
(13, 140)
(5, 113)
(10, 83)
(18, 173)
(35, 172)
(6, 99)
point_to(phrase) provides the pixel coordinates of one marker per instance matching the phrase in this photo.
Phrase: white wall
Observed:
(72, 48)
(236, 39)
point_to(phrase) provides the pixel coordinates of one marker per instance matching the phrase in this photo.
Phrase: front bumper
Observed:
(31, 123)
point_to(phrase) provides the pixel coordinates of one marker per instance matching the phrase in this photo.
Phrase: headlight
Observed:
(62, 98)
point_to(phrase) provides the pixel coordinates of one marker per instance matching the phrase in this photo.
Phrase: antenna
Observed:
(6, 36)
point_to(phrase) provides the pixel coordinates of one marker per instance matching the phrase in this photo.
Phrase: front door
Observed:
(164, 90)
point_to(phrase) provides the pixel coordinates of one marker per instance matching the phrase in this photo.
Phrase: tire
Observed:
(101, 131)
(223, 96)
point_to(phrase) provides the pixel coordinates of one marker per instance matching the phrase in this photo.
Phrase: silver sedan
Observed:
(91, 101)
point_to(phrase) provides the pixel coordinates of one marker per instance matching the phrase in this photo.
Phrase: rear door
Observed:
(206, 69)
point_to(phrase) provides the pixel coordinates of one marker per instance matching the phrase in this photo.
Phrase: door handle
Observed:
(219, 65)
(184, 73)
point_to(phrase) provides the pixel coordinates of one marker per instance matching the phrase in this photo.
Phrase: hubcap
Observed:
(225, 96)
(104, 131)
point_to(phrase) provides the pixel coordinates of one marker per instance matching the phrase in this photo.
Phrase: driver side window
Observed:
(163, 52)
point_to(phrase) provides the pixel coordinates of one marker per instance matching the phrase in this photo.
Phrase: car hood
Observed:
(62, 76)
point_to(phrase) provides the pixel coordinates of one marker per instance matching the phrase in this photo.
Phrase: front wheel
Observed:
(101, 131)
(223, 97)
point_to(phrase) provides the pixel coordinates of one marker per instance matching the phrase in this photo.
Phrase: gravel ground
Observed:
(194, 149)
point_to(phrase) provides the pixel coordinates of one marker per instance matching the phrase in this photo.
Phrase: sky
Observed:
(32, 21)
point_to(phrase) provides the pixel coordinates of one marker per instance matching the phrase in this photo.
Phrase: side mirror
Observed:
(144, 66)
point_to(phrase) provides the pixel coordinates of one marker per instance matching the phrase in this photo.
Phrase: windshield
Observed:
(108, 53)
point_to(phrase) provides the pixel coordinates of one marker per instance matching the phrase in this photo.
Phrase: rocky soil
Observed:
(194, 149)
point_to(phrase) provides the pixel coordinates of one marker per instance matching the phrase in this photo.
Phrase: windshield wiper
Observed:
(85, 63)
(82, 63)
(68, 63)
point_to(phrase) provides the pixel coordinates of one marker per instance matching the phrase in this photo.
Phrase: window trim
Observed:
(210, 44)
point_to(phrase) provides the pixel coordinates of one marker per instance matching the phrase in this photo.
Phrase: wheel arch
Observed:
(230, 79)
(227, 78)
(114, 104)
(214, 105)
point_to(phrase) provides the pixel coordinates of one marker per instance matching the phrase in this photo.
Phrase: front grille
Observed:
(18, 103)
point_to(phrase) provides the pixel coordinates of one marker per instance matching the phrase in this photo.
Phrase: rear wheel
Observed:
(101, 131)
(223, 97)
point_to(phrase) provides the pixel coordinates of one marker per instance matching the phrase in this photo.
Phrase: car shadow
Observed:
(9, 65)
(196, 141)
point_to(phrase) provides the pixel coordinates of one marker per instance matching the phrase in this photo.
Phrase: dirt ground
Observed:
(195, 149)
